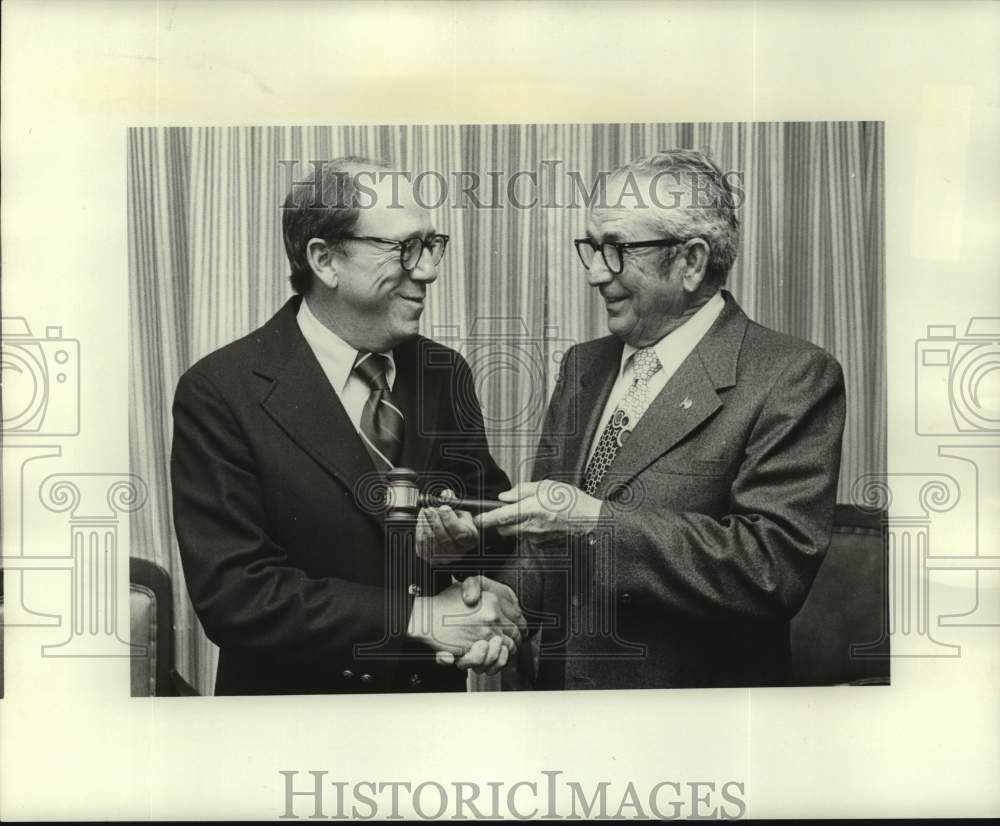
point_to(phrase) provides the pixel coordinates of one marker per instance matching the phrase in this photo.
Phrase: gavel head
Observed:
(401, 495)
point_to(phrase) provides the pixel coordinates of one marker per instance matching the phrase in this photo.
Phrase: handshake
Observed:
(476, 623)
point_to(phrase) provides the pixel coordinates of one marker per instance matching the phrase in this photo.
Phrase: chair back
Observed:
(151, 605)
(841, 633)
(151, 608)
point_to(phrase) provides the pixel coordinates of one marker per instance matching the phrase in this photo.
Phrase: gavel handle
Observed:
(430, 500)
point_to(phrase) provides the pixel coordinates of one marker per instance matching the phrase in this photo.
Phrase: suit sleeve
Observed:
(522, 571)
(246, 594)
(468, 456)
(758, 560)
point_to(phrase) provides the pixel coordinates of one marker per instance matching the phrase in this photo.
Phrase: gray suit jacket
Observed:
(717, 513)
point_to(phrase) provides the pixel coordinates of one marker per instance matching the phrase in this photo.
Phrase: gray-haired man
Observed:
(689, 459)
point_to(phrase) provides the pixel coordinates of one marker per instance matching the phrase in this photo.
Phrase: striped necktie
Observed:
(645, 363)
(381, 418)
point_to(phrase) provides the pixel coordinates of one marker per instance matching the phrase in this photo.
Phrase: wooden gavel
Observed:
(403, 498)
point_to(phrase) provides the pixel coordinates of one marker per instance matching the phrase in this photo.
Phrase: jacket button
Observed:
(413, 590)
(626, 598)
(415, 680)
(366, 678)
(348, 674)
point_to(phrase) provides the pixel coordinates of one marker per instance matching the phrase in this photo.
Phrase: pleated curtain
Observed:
(207, 266)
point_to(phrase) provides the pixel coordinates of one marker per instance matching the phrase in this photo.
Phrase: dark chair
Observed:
(151, 608)
(841, 633)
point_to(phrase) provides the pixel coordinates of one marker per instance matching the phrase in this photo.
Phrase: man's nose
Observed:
(598, 273)
(426, 270)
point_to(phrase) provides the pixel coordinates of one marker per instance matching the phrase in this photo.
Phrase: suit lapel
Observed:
(688, 399)
(419, 401)
(584, 420)
(302, 402)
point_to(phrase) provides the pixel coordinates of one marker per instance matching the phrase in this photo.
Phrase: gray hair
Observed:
(710, 213)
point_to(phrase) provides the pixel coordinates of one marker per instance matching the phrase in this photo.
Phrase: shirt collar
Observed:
(684, 339)
(335, 355)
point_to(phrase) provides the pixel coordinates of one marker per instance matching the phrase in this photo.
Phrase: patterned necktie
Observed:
(644, 364)
(381, 418)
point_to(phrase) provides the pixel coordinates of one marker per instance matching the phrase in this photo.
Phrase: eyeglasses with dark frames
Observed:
(613, 252)
(411, 250)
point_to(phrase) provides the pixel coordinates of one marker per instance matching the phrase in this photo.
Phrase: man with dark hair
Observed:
(686, 477)
(279, 436)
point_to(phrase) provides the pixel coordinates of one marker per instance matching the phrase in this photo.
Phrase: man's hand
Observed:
(447, 624)
(542, 511)
(443, 533)
(472, 591)
(482, 658)
(485, 656)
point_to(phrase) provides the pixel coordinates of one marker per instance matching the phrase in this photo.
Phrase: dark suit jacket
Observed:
(718, 511)
(285, 556)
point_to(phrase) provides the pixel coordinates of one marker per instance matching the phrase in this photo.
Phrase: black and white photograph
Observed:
(649, 358)
(629, 370)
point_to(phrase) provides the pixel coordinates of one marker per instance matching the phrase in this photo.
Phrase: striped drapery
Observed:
(207, 265)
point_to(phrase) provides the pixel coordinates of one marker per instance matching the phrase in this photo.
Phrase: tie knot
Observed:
(645, 362)
(372, 368)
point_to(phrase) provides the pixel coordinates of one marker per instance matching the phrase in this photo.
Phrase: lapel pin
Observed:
(684, 405)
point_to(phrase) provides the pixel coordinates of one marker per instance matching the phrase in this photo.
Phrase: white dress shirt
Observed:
(337, 358)
(671, 350)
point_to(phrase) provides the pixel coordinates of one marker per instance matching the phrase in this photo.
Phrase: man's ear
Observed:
(323, 261)
(694, 259)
